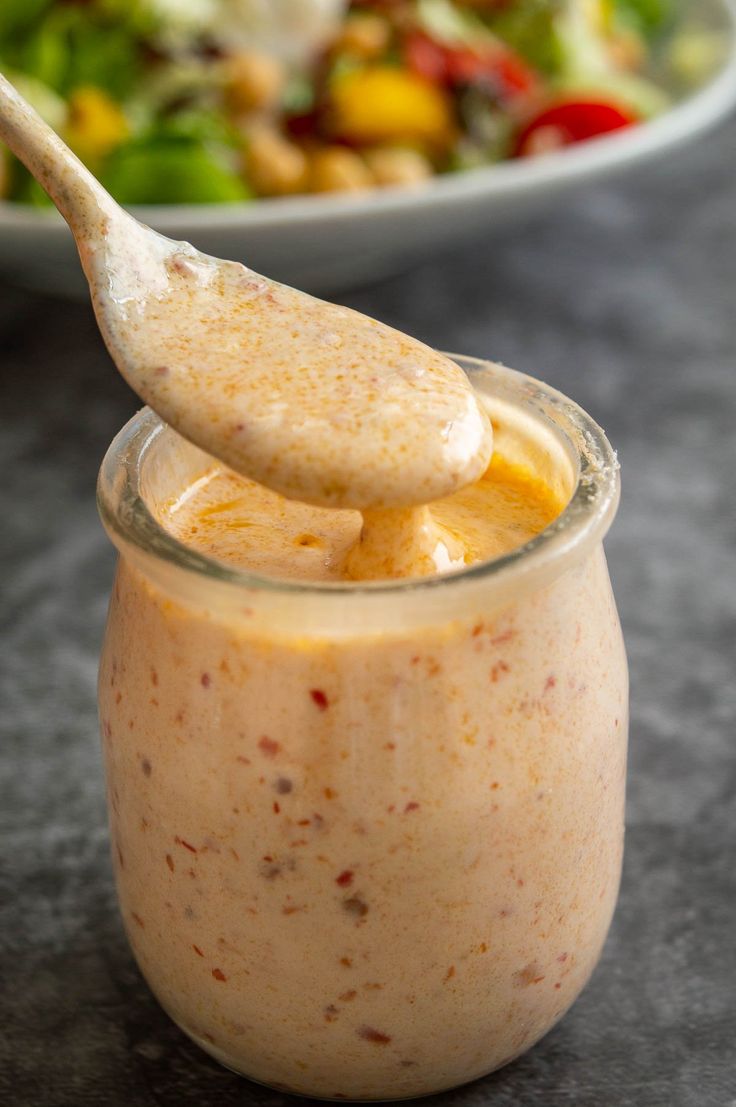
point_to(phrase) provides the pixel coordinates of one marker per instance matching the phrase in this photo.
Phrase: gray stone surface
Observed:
(626, 299)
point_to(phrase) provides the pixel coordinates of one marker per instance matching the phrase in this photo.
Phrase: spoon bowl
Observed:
(316, 401)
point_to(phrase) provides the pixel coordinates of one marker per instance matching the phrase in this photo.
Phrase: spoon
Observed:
(315, 401)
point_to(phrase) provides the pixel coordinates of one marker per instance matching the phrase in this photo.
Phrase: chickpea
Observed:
(335, 169)
(364, 36)
(274, 166)
(253, 82)
(397, 165)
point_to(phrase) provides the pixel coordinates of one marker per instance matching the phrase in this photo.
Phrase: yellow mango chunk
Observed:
(96, 125)
(381, 104)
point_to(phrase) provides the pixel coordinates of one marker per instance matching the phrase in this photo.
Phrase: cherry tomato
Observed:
(569, 122)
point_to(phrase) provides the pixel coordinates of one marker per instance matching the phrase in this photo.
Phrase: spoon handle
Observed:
(71, 186)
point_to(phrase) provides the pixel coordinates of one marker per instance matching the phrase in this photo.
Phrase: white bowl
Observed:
(331, 243)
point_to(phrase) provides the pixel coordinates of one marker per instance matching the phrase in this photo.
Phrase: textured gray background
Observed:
(626, 299)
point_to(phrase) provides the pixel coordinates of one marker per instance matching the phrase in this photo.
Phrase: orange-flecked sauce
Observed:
(358, 864)
(235, 520)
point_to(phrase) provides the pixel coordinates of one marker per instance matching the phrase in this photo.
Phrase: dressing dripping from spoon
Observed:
(315, 401)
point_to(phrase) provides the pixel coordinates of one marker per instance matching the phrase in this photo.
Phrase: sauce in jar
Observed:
(367, 832)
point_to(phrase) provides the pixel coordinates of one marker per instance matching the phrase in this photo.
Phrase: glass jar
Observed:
(367, 838)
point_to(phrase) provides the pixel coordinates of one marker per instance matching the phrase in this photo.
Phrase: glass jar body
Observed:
(371, 866)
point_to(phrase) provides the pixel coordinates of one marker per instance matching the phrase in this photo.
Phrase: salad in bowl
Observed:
(224, 101)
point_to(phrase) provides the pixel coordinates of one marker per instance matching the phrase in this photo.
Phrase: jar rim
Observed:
(582, 522)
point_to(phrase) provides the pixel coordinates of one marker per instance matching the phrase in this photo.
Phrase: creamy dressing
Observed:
(243, 524)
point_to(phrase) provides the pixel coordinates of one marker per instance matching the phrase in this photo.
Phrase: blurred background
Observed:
(525, 181)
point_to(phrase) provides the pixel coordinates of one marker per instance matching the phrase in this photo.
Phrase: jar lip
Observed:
(583, 521)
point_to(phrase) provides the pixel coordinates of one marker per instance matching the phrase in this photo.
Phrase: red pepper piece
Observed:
(426, 57)
(491, 63)
(319, 698)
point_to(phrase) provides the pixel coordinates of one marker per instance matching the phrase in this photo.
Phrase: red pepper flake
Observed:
(530, 974)
(219, 975)
(346, 962)
(319, 698)
(328, 793)
(345, 878)
(268, 747)
(449, 974)
(283, 786)
(119, 696)
(170, 861)
(180, 842)
(495, 786)
(550, 682)
(154, 678)
(411, 806)
(269, 869)
(498, 669)
(197, 950)
(416, 659)
(369, 1034)
(290, 909)
(205, 680)
(304, 822)
(558, 986)
(161, 371)
(146, 766)
(477, 629)
(346, 997)
(138, 919)
(390, 746)
(276, 808)
(482, 948)
(355, 906)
